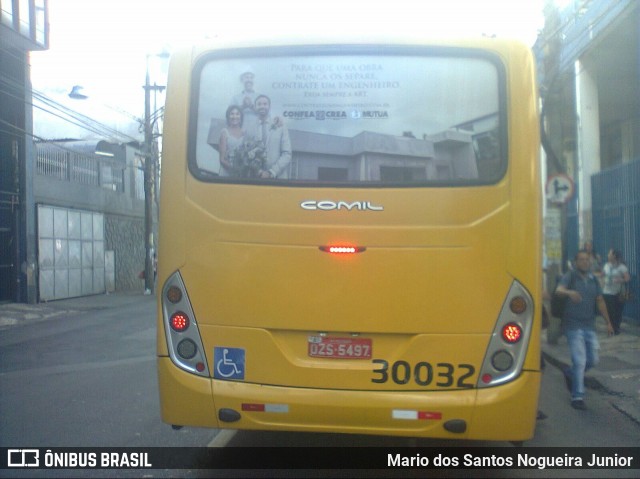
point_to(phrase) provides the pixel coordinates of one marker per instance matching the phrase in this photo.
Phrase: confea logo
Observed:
(317, 114)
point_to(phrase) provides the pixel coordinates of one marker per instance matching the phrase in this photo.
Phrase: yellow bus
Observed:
(350, 239)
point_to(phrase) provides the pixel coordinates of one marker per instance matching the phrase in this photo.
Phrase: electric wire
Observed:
(69, 115)
(56, 144)
(48, 105)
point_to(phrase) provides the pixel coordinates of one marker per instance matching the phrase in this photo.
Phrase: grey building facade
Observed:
(89, 201)
(24, 27)
(589, 72)
(71, 212)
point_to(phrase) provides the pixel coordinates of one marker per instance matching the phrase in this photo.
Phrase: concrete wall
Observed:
(123, 218)
(125, 236)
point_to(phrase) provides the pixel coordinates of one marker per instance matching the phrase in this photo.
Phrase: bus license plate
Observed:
(340, 348)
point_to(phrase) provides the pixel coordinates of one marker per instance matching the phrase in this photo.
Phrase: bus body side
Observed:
(444, 273)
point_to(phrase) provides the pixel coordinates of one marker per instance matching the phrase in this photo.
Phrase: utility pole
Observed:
(149, 168)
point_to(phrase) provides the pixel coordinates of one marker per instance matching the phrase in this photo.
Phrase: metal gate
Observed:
(616, 221)
(71, 254)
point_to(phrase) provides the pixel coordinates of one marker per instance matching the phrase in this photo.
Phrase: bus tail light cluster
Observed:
(508, 345)
(183, 337)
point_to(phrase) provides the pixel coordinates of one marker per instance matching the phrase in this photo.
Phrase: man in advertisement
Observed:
(275, 139)
(246, 99)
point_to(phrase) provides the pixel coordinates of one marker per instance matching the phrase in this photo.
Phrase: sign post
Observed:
(559, 188)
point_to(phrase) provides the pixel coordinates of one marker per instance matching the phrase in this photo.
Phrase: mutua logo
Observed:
(328, 205)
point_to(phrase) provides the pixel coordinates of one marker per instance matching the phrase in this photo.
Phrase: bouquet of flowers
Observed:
(248, 159)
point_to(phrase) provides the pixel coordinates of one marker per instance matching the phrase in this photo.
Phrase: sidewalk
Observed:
(617, 374)
(14, 314)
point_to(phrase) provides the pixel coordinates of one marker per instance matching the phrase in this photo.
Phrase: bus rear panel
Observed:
(361, 254)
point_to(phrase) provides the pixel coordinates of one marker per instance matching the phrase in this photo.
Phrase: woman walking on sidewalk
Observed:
(616, 277)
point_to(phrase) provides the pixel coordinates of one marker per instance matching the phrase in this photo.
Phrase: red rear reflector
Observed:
(342, 249)
(258, 407)
(511, 333)
(252, 407)
(179, 321)
(429, 415)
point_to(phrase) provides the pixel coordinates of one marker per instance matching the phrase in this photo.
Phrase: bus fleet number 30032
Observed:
(423, 373)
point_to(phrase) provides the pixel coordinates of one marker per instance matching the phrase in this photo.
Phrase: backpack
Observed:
(559, 303)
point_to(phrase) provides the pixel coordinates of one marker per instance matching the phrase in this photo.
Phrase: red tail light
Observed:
(186, 349)
(179, 321)
(511, 333)
(507, 347)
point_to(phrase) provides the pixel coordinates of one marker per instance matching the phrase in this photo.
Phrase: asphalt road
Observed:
(86, 380)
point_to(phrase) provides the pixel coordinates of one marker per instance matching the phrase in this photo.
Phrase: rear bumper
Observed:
(506, 412)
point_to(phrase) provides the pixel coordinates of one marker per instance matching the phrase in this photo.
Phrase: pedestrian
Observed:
(616, 276)
(596, 260)
(583, 291)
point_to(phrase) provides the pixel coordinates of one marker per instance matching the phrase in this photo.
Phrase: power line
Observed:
(91, 123)
(55, 143)
(9, 85)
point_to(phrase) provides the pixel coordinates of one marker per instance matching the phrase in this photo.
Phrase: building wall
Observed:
(123, 210)
(24, 26)
(588, 66)
(12, 126)
(17, 218)
(125, 236)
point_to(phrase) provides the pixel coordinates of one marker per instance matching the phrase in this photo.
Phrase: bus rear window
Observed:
(348, 119)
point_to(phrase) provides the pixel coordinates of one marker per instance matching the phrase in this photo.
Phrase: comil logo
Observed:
(328, 205)
(23, 458)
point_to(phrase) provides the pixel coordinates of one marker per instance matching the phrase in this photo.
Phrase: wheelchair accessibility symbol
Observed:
(229, 363)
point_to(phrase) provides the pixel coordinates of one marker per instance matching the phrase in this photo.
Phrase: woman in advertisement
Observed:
(231, 138)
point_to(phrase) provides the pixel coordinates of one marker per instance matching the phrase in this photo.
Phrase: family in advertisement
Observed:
(253, 144)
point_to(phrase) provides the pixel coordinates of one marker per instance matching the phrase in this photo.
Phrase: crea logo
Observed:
(328, 205)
